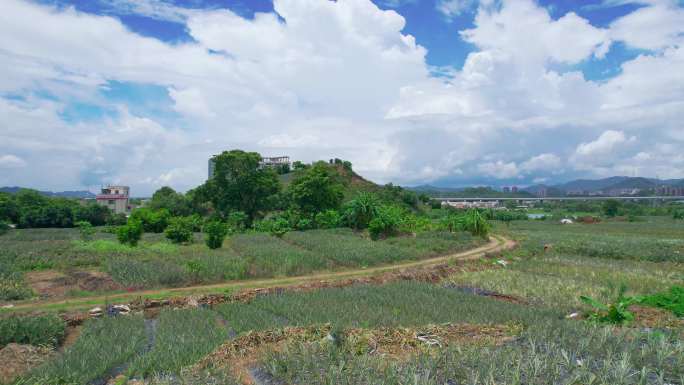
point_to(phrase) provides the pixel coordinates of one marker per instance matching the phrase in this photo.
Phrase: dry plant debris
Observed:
(242, 353)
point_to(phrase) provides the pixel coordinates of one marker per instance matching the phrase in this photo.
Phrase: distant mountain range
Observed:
(82, 194)
(616, 185)
(609, 186)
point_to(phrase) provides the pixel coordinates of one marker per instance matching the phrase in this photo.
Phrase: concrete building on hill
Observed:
(115, 198)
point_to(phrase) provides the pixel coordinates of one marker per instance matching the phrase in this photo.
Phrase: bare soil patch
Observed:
(16, 359)
(52, 284)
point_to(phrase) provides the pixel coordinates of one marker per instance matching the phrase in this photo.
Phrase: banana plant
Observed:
(615, 313)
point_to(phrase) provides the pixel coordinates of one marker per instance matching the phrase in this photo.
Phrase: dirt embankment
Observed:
(240, 355)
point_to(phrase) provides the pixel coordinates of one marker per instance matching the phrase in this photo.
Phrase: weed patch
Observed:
(40, 330)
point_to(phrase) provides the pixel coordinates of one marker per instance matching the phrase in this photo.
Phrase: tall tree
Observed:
(316, 190)
(168, 198)
(240, 184)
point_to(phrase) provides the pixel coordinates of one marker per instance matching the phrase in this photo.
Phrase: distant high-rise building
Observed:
(506, 189)
(514, 189)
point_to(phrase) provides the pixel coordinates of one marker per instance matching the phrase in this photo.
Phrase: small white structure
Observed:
(566, 221)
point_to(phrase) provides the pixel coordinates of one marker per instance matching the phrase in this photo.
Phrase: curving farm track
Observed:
(496, 244)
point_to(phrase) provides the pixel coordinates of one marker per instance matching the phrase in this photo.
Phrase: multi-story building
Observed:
(670, 191)
(514, 189)
(115, 198)
(506, 189)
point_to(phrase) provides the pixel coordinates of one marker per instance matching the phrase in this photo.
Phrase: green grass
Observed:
(103, 344)
(182, 338)
(43, 330)
(672, 300)
(271, 256)
(655, 239)
(396, 304)
(559, 280)
(587, 259)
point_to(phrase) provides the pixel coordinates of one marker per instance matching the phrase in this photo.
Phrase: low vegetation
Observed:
(40, 330)
(182, 337)
(103, 345)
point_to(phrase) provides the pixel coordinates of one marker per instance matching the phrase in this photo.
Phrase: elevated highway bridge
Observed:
(571, 198)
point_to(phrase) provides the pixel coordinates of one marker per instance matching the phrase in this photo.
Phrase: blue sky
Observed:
(446, 92)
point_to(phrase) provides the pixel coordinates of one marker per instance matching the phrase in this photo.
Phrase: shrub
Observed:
(47, 330)
(196, 222)
(86, 230)
(672, 300)
(615, 313)
(4, 227)
(678, 214)
(116, 219)
(328, 219)
(130, 233)
(153, 221)
(304, 224)
(386, 223)
(179, 230)
(238, 220)
(214, 234)
(361, 210)
(611, 207)
(279, 227)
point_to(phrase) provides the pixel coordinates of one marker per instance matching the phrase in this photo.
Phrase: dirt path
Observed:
(496, 244)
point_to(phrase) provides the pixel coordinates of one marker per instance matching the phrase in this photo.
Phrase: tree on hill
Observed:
(316, 189)
(168, 198)
(239, 184)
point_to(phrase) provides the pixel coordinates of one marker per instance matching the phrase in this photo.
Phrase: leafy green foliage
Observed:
(328, 219)
(153, 221)
(130, 233)
(616, 312)
(472, 221)
(9, 209)
(86, 230)
(240, 184)
(4, 227)
(316, 189)
(678, 214)
(167, 198)
(672, 300)
(45, 330)
(238, 220)
(214, 234)
(386, 222)
(611, 207)
(118, 219)
(179, 230)
(361, 210)
(93, 213)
